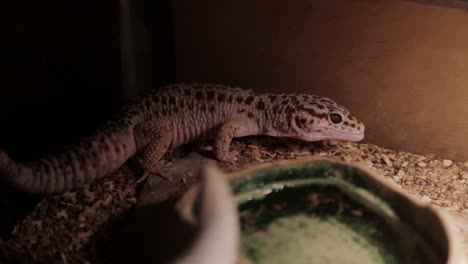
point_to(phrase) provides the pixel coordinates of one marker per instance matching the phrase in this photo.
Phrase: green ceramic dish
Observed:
(321, 211)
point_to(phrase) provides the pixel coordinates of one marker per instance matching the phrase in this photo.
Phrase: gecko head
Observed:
(322, 119)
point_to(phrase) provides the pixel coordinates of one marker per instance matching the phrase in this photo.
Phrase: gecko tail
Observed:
(11, 170)
(4, 160)
(73, 168)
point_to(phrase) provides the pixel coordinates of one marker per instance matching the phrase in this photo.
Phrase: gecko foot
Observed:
(229, 157)
(159, 169)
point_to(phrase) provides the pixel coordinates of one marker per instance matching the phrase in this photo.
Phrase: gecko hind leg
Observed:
(150, 158)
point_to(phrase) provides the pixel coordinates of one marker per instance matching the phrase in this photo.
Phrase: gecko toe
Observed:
(230, 157)
(159, 169)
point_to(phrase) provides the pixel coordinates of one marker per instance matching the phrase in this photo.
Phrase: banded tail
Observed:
(93, 158)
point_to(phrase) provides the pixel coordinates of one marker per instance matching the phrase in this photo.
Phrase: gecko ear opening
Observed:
(300, 121)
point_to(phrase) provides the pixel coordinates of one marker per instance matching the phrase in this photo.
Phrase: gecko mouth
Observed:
(332, 135)
(343, 135)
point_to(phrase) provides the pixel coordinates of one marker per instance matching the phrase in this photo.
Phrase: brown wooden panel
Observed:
(401, 66)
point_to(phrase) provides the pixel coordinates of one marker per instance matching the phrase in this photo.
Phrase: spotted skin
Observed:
(176, 115)
(228, 131)
(154, 151)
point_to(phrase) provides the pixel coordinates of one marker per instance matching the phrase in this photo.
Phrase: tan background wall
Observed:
(401, 66)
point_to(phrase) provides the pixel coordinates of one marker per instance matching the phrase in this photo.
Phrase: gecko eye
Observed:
(335, 118)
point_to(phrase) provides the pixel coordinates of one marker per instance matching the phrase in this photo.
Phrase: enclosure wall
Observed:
(401, 66)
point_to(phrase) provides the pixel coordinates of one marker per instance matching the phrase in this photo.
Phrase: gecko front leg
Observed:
(228, 131)
(154, 152)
